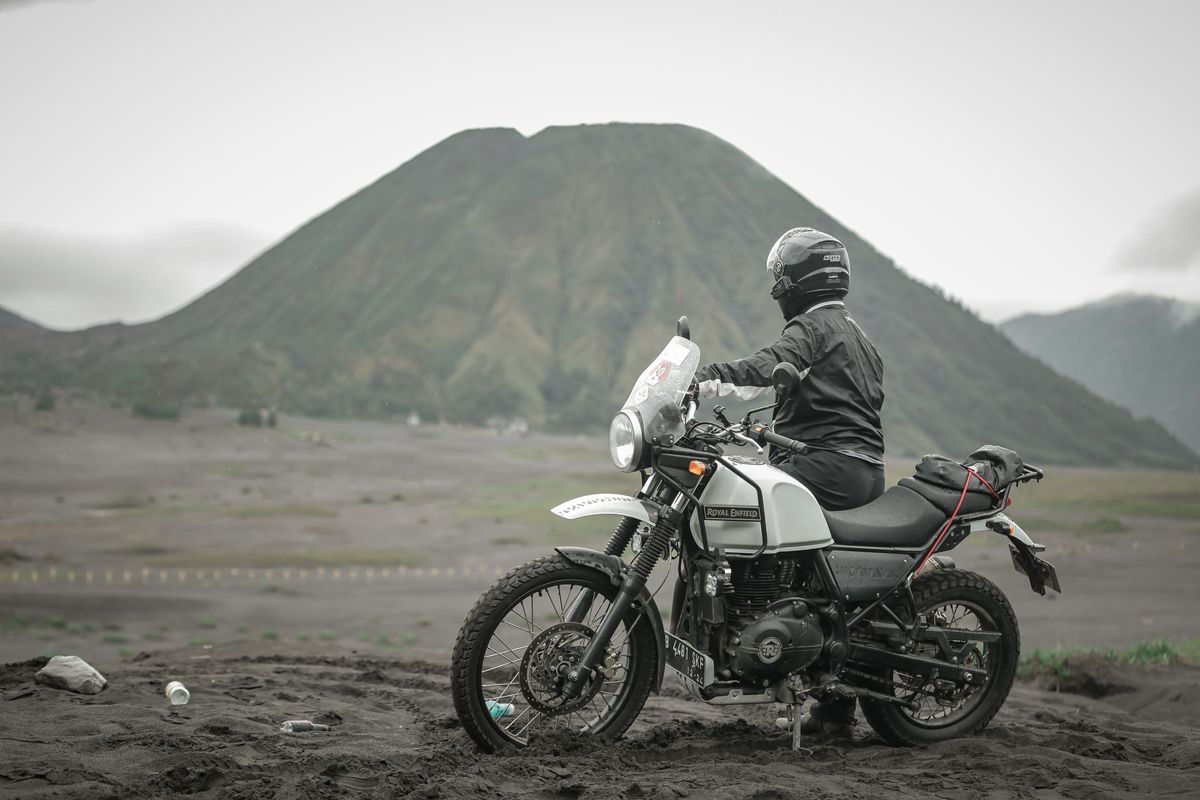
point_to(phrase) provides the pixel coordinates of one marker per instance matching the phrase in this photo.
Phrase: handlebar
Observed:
(765, 435)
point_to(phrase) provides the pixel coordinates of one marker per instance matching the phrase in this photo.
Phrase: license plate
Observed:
(688, 661)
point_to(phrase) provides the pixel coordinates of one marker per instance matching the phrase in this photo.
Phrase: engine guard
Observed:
(613, 567)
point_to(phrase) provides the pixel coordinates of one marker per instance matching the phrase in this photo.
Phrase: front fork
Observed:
(632, 584)
(617, 543)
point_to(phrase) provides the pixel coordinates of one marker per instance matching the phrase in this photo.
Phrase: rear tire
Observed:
(474, 646)
(955, 588)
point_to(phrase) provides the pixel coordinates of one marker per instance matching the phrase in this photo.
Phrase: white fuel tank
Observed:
(794, 518)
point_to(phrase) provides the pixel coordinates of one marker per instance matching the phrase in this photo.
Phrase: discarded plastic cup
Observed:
(301, 725)
(498, 710)
(177, 693)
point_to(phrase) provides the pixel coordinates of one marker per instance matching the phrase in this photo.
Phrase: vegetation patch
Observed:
(309, 558)
(281, 510)
(1060, 668)
(157, 410)
(1112, 493)
(527, 503)
(122, 501)
(10, 556)
(141, 549)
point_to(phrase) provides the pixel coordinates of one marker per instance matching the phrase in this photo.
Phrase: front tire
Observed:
(945, 592)
(516, 635)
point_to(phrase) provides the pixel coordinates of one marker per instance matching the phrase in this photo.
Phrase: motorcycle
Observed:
(776, 600)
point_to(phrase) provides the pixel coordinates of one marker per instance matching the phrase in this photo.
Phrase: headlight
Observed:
(625, 441)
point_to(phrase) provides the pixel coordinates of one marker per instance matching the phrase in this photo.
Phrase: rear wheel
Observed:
(953, 600)
(516, 648)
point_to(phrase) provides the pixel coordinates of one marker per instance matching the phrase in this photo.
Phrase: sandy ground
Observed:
(394, 735)
(321, 571)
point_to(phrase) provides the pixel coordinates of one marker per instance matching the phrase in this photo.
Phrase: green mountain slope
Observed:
(498, 274)
(1141, 352)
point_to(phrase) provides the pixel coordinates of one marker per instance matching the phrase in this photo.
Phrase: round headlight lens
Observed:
(625, 441)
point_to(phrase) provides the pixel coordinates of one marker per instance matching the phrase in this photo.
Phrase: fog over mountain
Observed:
(500, 274)
(67, 280)
(1171, 243)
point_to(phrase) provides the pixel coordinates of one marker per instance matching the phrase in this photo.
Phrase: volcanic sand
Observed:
(175, 551)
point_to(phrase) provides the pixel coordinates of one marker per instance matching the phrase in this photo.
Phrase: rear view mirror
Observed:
(786, 379)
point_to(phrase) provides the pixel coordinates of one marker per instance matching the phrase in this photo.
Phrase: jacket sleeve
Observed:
(749, 377)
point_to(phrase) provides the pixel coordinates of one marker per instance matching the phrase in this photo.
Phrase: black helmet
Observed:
(807, 266)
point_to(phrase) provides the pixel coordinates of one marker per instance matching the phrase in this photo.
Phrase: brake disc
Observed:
(548, 660)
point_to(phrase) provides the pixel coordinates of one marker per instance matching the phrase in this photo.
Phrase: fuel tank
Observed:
(731, 512)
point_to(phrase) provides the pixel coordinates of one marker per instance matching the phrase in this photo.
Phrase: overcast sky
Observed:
(1021, 155)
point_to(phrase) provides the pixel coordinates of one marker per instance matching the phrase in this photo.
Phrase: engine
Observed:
(769, 633)
(786, 637)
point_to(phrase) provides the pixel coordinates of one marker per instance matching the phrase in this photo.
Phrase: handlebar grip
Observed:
(765, 435)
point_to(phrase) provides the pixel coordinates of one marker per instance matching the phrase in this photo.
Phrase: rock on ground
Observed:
(71, 673)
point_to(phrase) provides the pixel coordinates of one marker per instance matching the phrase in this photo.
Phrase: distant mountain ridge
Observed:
(1140, 351)
(499, 274)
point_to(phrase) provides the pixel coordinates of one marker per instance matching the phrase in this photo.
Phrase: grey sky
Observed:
(1013, 153)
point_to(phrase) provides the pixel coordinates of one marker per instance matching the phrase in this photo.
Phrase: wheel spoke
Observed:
(527, 667)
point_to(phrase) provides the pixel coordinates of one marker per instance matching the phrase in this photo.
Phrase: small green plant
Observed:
(302, 637)
(425, 622)
(207, 623)
(198, 642)
(326, 636)
(1155, 652)
(114, 638)
(270, 635)
(1056, 663)
(55, 622)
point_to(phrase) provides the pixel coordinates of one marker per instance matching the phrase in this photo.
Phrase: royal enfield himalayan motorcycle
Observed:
(776, 600)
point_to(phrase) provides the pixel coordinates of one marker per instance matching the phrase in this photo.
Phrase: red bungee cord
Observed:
(961, 497)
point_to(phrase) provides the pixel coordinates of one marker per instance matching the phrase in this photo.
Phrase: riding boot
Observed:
(830, 719)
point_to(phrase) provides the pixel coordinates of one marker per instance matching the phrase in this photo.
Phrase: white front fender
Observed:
(616, 504)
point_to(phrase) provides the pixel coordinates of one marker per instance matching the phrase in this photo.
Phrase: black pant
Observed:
(839, 482)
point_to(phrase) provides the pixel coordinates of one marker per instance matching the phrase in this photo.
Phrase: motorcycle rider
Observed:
(836, 412)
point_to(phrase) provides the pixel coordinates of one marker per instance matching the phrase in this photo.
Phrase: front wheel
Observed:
(953, 600)
(516, 648)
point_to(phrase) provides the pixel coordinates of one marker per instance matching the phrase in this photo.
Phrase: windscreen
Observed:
(658, 392)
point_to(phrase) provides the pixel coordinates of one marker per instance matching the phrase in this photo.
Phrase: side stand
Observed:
(793, 719)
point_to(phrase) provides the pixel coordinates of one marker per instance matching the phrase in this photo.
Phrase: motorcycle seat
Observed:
(898, 518)
(947, 499)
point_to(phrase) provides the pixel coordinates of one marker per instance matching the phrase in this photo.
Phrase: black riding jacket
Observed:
(841, 396)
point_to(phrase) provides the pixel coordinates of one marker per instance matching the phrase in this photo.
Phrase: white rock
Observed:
(71, 673)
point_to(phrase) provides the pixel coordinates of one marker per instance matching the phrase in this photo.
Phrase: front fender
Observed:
(614, 567)
(619, 505)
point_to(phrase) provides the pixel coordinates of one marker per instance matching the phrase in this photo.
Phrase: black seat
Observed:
(898, 518)
(947, 499)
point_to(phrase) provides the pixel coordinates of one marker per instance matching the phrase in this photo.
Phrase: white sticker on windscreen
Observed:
(675, 353)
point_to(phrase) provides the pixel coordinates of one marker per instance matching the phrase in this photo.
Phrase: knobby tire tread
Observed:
(886, 718)
(482, 620)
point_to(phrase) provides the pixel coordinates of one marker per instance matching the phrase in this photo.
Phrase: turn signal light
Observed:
(697, 467)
